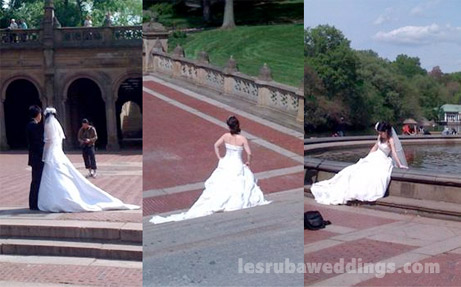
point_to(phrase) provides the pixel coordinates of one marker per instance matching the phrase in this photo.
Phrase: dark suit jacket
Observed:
(34, 133)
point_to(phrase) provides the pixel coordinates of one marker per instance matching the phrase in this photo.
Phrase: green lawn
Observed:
(280, 46)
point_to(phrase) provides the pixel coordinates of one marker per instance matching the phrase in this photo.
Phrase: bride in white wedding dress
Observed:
(63, 188)
(367, 180)
(231, 186)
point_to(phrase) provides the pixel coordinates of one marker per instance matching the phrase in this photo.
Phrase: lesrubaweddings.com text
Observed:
(355, 265)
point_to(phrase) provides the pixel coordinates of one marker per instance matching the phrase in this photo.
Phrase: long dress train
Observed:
(63, 188)
(366, 180)
(231, 186)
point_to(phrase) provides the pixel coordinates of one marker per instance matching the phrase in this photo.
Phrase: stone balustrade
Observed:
(74, 37)
(20, 38)
(261, 90)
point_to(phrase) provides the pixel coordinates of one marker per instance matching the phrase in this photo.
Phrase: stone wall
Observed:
(261, 90)
(105, 55)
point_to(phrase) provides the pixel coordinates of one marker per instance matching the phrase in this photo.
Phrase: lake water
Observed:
(440, 158)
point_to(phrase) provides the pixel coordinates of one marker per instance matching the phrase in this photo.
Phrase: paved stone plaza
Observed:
(120, 175)
(179, 157)
(380, 238)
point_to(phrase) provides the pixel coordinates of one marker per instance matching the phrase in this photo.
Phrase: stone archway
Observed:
(128, 110)
(20, 94)
(84, 100)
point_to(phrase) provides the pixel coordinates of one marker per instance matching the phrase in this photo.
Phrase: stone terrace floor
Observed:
(179, 156)
(178, 151)
(119, 174)
(403, 242)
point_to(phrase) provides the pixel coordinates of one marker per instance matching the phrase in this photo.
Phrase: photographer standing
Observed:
(87, 137)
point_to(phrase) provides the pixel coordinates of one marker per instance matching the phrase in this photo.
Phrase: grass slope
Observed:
(280, 46)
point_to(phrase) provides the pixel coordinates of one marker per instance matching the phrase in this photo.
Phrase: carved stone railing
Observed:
(100, 36)
(261, 91)
(74, 37)
(20, 38)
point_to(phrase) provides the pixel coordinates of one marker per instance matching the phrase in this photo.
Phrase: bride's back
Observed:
(236, 139)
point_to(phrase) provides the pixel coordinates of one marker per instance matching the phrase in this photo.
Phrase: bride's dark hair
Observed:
(50, 111)
(384, 127)
(234, 125)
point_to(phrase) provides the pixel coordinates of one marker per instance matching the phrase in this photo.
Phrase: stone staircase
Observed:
(94, 239)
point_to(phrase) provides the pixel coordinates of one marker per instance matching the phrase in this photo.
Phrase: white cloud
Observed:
(421, 35)
(420, 9)
(384, 17)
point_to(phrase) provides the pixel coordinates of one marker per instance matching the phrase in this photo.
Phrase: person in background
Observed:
(446, 131)
(13, 24)
(87, 137)
(107, 21)
(23, 24)
(406, 129)
(341, 128)
(88, 22)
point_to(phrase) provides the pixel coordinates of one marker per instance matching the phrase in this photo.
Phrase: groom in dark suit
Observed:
(34, 132)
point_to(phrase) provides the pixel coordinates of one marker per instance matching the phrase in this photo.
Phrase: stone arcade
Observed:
(83, 72)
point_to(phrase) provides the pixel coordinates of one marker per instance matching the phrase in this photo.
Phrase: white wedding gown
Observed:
(231, 186)
(367, 180)
(63, 188)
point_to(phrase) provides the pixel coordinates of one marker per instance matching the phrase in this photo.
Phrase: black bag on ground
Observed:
(313, 220)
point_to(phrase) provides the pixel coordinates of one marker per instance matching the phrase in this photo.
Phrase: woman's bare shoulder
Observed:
(243, 138)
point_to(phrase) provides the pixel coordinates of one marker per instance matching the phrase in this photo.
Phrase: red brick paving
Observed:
(369, 251)
(71, 274)
(349, 219)
(183, 200)
(450, 274)
(311, 236)
(169, 202)
(15, 182)
(270, 134)
(178, 149)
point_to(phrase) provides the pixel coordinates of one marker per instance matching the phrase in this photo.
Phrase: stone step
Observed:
(60, 247)
(423, 206)
(72, 229)
(429, 208)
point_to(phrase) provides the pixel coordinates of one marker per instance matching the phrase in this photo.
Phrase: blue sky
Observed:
(428, 29)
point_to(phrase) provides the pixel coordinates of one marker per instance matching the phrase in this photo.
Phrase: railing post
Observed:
(203, 59)
(265, 75)
(229, 81)
(300, 94)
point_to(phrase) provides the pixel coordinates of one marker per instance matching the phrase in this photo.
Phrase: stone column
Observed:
(64, 117)
(112, 140)
(48, 51)
(3, 141)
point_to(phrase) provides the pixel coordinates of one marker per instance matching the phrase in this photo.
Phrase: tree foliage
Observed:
(365, 88)
(72, 13)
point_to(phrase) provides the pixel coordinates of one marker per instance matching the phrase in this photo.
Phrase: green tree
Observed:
(328, 52)
(408, 66)
(71, 13)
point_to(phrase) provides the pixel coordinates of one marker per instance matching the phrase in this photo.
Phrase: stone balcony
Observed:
(91, 37)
